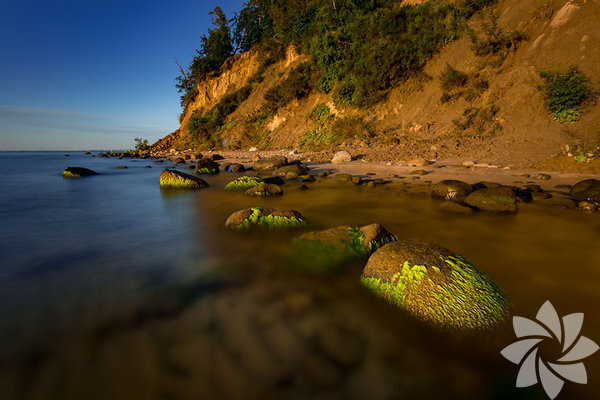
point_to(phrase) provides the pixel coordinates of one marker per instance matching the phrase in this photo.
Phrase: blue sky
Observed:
(82, 74)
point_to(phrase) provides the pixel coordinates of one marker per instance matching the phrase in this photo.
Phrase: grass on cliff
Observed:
(566, 93)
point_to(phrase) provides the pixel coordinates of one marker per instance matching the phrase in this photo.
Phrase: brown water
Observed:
(242, 324)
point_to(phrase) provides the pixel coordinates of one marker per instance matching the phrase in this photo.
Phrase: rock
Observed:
(291, 175)
(77, 172)
(189, 167)
(255, 158)
(303, 187)
(252, 149)
(419, 172)
(270, 163)
(224, 167)
(486, 185)
(543, 177)
(275, 180)
(450, 189)
(306, 178)
(435, 285)
(418, 162)
(498, 199)
(178, 160)
(341, 345)
(171, 179)
(343, 177)
(216, 157)
(237, 168)
(568, 187)
(587, 206)
(264, 218)
(560, 202)
(455, 208)
(101, 155)
(537, 196)
(534, 188)
(357, 180)
(586, 190)
(341, 157)
(244, 183)
(266, 189)
(327, 250)
(196, 156)
(121, 167)
(206, 166)
(295, 168)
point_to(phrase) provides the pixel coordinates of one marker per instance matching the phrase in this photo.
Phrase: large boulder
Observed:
(264, 218)
(172, 179)
(207, 166)
(264, 190)
(450, 189)
(587, 190)
(341, 157)
(294, 168)
(270, 163)
(244, 183)
(326, 250)
(435, 285)
(497, 199)
(77, 172)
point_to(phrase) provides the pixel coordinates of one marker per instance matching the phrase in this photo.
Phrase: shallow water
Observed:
(110, 288)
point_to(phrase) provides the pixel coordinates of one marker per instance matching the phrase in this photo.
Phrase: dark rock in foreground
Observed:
(265, 218)
(586, 190)
(497, 199)
(172, 179)
(435, 285)
(77, 172)
(207, 166)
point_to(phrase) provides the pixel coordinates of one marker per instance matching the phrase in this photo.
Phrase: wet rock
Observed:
(497, 199)
(418, 162)
(455, 208)
(560, 202)
(291, 175)
(295, 168)
(270, 163)
(244, 183)
(341, 157)
(303, 187)
(121, 167)
(77, 172)
(265, 218)
(255, 158)
(568, 187)
(171, 179)
(357, 180)
(190, 167)
(178, 160)
(435, 285)
(538, 196)
(450, 189)
(216, 157)
(543, 177)
(275, 180)
(224, 167)
(587, 206)
(237, 168)
(196, 156)
(486, 185)
(534, 188)
(264, 190)
(419, 172)
(586, 190)
(325, 251)
(343, 177)
(306, 178)
(206, 166)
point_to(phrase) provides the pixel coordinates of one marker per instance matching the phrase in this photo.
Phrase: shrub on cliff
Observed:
(566, 92)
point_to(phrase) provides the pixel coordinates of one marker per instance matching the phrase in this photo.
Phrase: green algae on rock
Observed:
(244, 183)
(435, 285)
(77, 172)
(327, 250)
(172, 179)
(265, 218)
(264, 190)
(207, 166)
(497, 199)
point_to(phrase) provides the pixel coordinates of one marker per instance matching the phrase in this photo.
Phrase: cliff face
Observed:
(413, 120)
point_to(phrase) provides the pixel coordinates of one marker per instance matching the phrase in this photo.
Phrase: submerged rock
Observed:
(292, 169)
(207, 166)
(341, 157)
(270, 163)
(172, 179)
(455, 208)
(497, 199)
(264, 190)
(121, 167)
(450, 189)
(326, 250)
(237, 168)
(275, 180)
(435, 285)
(586, 190)
(244, 183)
(179, 160)
(77, 172)
(265, 218)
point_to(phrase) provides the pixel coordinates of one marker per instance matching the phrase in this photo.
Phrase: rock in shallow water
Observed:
(265, 218)
(450, 189)
(270, 163)
(435, 285)
(207, 166)
(587, 190)
(244, 183)
(497, 199)
(172, 179)
(264, 190)
(77, 172)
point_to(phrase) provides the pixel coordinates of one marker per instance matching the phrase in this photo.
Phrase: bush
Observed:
(566, 92)
(296, 86)
(496, 42)
(479, 121)
(320, 114)
(451, 78)
(141, 144)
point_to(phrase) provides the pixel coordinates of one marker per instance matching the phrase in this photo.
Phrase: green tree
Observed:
(252, 25)
(141, 144)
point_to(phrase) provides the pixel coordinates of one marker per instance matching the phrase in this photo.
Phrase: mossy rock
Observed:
(122, 167)
(270, 163)
(77, 172)
(265, 218)
(244, 183)
(450, 189)
(327, 250)
(207, 166)
(497, 199)
(435, 285)
(264, 190)
(172, 179)
(586, 190)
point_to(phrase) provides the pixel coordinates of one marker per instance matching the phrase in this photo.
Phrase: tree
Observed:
(141, 144)
(252, 25)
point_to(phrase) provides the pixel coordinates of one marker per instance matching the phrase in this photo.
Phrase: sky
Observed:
(90, 75)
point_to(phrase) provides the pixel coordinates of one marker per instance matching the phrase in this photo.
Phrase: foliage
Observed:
(496, 43)
(252, 25)
(479, 121)
(566, 92)
(451, 78)
(296, 86)
(320, 114)
(141, 144)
